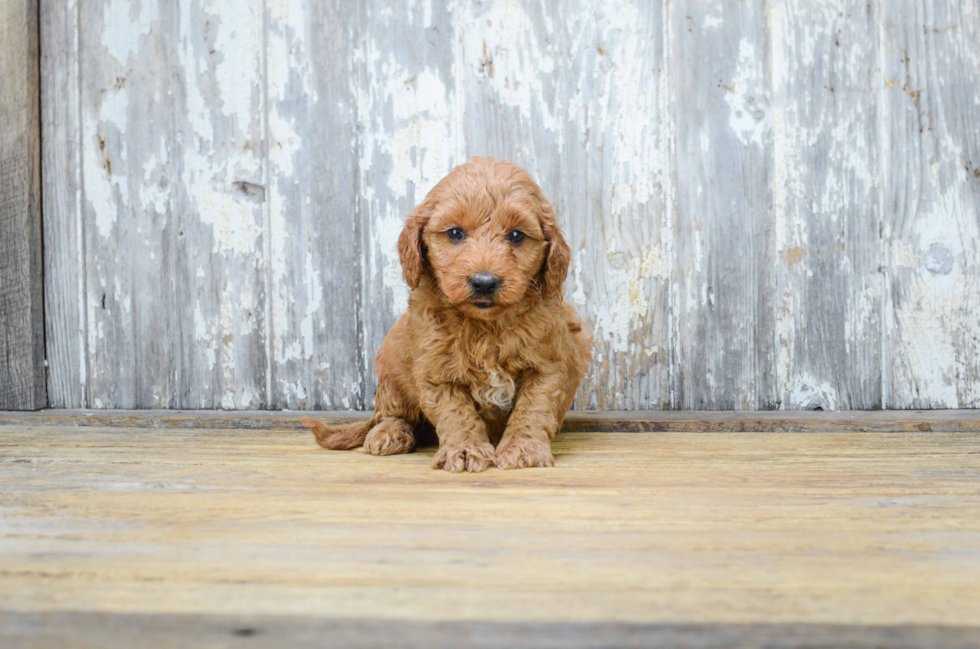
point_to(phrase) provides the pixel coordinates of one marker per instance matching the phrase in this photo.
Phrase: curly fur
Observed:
(494, 376)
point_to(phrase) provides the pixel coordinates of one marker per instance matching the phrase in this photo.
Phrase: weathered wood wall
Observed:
(22, 378)
(771, 204)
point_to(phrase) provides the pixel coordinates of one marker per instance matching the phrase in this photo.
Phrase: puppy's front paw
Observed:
(524, 452)
(390, 437)
(464, 456)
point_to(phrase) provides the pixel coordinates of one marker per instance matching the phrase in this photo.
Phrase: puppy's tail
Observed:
(339, 438)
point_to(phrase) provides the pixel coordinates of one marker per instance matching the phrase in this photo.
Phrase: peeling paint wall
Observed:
(770, 205)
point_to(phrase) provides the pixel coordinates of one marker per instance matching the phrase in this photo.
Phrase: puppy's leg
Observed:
(540, 407)
(396, 416)
(390, 431)
(463, 441)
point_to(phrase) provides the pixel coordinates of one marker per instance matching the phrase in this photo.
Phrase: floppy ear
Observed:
(410, 247)
(558, 256)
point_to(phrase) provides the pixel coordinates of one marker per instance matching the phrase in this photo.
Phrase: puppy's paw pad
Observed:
(467, 456)
(390, 437)
(523, 453)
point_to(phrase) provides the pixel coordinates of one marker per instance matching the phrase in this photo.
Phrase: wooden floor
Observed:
(139, 531)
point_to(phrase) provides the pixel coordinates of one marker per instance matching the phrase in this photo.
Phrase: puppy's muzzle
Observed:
(484, 285)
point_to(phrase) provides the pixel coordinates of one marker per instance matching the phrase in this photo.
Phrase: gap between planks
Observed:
(642, 421)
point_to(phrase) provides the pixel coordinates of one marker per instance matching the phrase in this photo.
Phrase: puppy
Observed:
(489, 352)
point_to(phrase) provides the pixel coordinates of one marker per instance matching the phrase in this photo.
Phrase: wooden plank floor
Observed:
(213, 536)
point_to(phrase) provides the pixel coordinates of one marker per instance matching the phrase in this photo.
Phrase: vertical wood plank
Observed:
(613, 195)
(127, 157)
(510, 58)
(22, 378)
(827, 288)
(723, 239)
(64, 252)
(405, 88)
(314, 228)
(218, 260)
(930, 100)
(172, 166)
(576, 96)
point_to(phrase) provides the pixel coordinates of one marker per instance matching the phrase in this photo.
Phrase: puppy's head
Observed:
(488, 238)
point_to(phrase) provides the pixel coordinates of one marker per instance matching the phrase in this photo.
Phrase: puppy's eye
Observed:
(515, 236)
(455, 234)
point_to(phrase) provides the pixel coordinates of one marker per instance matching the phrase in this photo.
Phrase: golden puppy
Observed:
(489, 352)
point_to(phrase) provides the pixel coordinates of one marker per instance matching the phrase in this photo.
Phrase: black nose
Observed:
(484, 283)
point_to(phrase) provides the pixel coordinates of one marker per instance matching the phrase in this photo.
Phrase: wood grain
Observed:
(214, 169)
(930, 102)
(615, 195)
(723, 235)
(314, 235)
(827, 284)
(840, 530)
(770, 206)
(22, 377)
(577, 96)
(130, 188)
(404, 89)
(64, 252)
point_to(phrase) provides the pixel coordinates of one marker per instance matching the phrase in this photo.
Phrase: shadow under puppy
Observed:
(489, 352)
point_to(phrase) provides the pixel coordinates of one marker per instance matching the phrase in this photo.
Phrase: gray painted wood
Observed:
(578, 99)
(930, 102)
(613, 117)
(64, 256)
(512, 59)
(128, 230)
(827, 287)
(172, 310)
(316, 357)
(723, 237)
(408, 138)
(205, 180)
(22, 374)
(767, 207)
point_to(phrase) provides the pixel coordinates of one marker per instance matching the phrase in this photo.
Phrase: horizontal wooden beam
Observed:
(645, 421)
(131, 629)
(22, 376)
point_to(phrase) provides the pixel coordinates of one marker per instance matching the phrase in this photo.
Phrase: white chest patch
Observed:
(498, 391)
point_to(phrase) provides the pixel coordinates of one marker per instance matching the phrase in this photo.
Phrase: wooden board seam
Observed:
(579, 421)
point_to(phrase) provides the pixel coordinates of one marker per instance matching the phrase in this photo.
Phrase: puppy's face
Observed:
(483, 255)
(488, 237)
